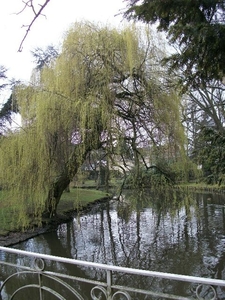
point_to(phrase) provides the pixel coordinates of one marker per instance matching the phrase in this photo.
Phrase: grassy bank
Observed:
(74, 200)
(78, 198)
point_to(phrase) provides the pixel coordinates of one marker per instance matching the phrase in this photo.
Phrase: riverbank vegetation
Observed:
(74, 200)
(111, 105)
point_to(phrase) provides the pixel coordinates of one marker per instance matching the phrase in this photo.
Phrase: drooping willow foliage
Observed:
(106, 90)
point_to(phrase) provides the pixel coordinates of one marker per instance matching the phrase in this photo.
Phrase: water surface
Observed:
(182, 233)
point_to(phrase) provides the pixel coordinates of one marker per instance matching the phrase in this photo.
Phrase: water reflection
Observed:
(186, 236)
(183, 233)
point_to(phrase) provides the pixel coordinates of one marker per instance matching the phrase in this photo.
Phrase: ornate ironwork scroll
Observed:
(39, 267)
(102, 291)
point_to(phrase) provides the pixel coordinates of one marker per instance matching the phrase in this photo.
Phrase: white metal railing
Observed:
(205, 288)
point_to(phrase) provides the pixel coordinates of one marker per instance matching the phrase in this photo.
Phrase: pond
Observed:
(182, 233)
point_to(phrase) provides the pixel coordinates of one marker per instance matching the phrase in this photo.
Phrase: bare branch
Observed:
(36, 15)
(25, 5)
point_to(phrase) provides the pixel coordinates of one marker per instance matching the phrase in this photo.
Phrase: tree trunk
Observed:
(55, 193)
(71, 168)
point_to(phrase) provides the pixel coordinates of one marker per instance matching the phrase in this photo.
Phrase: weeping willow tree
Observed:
(106, 90)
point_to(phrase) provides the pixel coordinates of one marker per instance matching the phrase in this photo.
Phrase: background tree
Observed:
(210, 153)
(204, 119)
(3, 77)
(44, 57)
(103, 90)
(9, 107)
(6, 113)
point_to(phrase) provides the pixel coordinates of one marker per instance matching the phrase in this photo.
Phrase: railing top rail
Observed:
(171, 276)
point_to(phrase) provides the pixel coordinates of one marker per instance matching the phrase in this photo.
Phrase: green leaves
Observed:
(211, 154)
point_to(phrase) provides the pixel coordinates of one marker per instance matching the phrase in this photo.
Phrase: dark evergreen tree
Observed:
(7, 108)
(195, 27)
(3, 77)
(6, 111)
(210, 153)
(44, 57)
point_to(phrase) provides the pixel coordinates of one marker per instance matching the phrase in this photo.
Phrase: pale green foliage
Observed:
(83, 98)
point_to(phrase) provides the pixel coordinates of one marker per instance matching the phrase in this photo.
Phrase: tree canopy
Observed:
(195, 27)
(105, 90)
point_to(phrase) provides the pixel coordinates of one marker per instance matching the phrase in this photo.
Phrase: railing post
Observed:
(40, 286)
(109, 284)
(39, 265)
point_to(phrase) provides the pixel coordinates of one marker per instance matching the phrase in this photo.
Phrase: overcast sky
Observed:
(48, 29)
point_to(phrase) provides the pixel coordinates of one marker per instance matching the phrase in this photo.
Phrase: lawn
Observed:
(78, 198)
